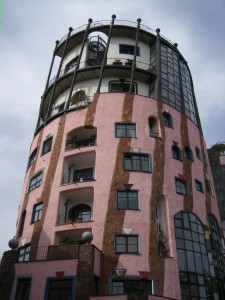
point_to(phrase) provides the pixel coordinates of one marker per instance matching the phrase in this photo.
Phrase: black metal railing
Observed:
(54, 252)
(83, 175)
(85, 216)
(154, 133)
(78, 143)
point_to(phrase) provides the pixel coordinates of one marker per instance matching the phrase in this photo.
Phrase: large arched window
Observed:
(82, 211)
(192, 256)
(217, 255)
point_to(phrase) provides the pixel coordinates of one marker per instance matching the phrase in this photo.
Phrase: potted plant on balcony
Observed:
(77, 97)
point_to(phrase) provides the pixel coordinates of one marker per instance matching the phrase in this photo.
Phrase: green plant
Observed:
(219, 146)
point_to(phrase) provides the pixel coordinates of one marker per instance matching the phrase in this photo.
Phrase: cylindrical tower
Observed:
(118, 151)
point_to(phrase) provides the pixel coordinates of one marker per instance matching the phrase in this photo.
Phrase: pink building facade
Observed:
(118, 152)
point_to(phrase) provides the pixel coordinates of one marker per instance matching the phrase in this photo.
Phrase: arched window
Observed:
(176, 153)
(153, 127)
(189, 153)
(192, 255)
(22, 221)
(198, 153)
(80, 211)
(167, 119)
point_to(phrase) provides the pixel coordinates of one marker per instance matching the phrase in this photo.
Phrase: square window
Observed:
(181, 186)
(127, 200)
(125, 130)
(199, 186)
(126, 244)
(47, 146)
(23, 288)
(137, 162)
(24, 253)
(37, 212)
(132, 286)
(60, 289)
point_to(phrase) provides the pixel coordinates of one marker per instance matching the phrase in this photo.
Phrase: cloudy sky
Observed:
(27, 38)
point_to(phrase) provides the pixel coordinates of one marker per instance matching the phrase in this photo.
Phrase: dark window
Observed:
(71, 64)
(23, 289)
(82, 211)
(47, 146)
(218, 255)
(131, 286)
(60, 289)
(176, 153)
(189, 153)
(128, 49)
(208, 186)
(167, 120)
(122, 86)
(22, 221)
(24, 253)
(35, 182)
(199, 186)
(153, 127)
(198, 153)
(222, 153)
(125, 130)
(181, 186)
(127, 200)
(126, 244)
(32, 158)
(37, 212)
(192, 256)
(137, 162)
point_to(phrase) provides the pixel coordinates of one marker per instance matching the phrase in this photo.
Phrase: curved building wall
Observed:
(126, 163)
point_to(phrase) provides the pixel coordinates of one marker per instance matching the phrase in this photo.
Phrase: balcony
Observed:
(86, 142)
(78, 217)
(53, 252)
(80, 175)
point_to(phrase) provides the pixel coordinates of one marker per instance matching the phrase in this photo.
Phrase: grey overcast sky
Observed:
(27, 39)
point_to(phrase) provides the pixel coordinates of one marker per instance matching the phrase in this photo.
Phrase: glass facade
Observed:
(192, 257)
(176, 86)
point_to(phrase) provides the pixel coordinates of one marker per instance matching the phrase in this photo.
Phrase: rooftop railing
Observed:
(116, 22)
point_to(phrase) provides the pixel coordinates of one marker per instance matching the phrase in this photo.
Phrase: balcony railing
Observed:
(81, 175)
(79, 143)
(54, 252)
(154, 133)
(85, 216)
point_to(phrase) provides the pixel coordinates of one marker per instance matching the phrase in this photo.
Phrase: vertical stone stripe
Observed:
(48, 181)
(157, 263)
(208, 202)
(188, 199)
(90, 115)
(115, 218)
(32, 169)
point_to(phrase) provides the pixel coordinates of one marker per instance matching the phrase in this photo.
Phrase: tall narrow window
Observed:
(22, 221)
(181, 186)
(198, 153)
(218, 255)
(47, 146)
(37, 212)
(23, 289)
(189, 153)
(199, 186)
(176, 153)
(32, 158)
(153, 127)
(167, 119)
